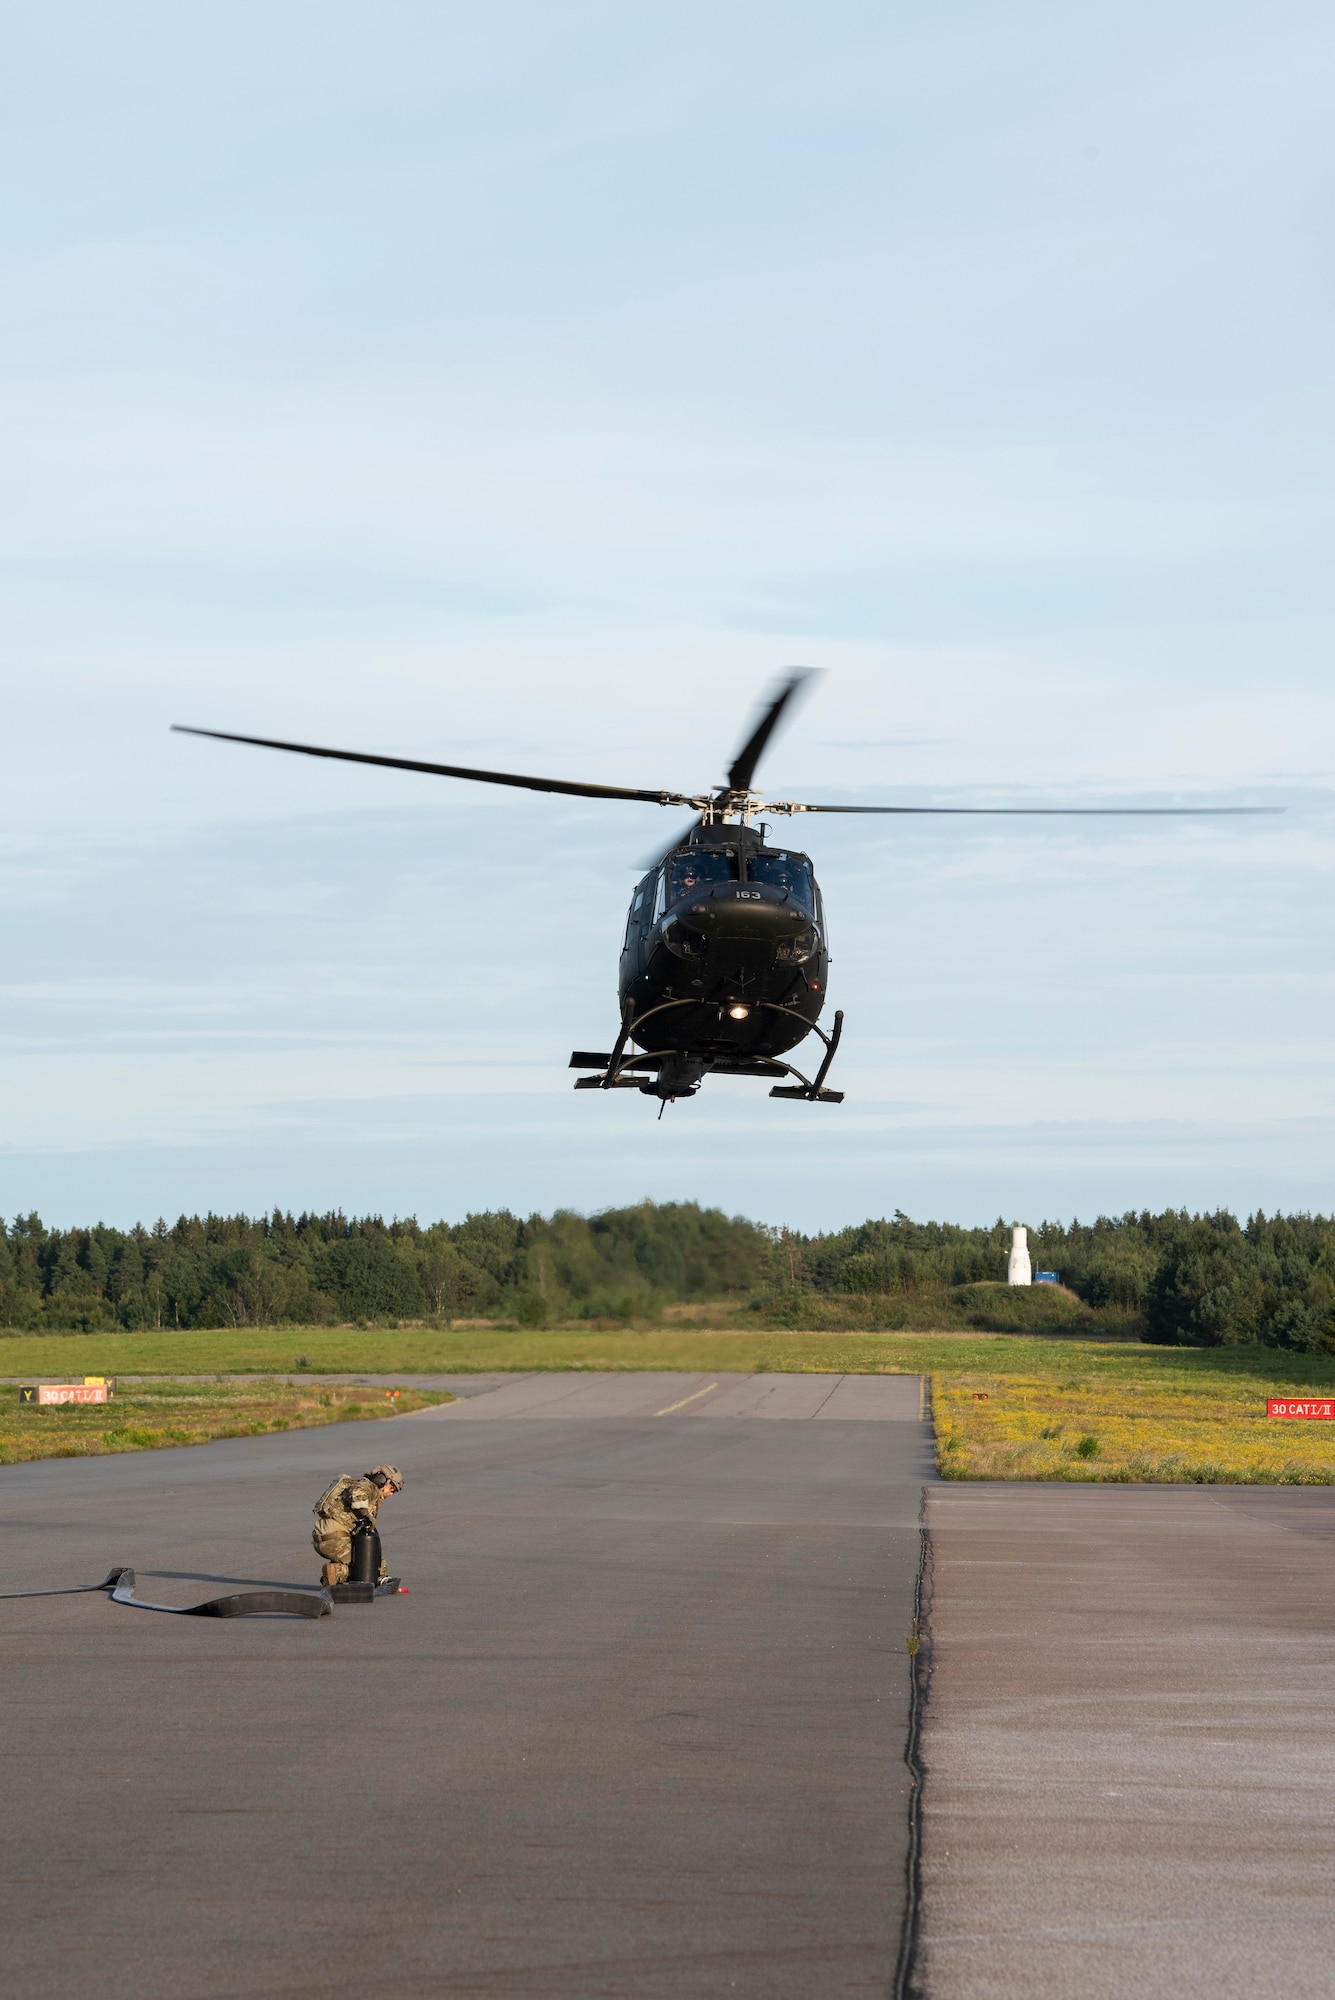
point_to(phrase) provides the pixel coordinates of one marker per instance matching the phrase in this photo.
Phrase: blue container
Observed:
(1047, 1277)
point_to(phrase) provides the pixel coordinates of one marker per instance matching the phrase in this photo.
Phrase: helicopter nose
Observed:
(745, 913)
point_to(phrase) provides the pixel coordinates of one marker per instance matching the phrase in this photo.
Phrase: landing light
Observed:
(739, 1013)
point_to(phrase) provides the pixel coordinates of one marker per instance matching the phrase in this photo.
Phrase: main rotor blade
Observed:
(660, 855)
(448, 770)
(1044, 812)
(744, 763)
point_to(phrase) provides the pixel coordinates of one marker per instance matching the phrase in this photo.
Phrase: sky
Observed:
(528, 386)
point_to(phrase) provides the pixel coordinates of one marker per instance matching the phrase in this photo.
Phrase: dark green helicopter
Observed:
(724, 964)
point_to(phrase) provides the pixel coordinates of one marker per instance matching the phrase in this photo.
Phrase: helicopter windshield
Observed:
(697, 869)
(783, 871)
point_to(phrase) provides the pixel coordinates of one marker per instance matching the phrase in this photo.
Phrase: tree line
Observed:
(1180, 1279)
(311, 1270)
(1175, 1278)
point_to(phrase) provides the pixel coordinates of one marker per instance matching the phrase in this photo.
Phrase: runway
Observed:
(1130, 1776)
(791, 1398)
(638, 1729)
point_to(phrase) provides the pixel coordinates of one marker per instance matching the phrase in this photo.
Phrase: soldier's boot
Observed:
(334, 1573)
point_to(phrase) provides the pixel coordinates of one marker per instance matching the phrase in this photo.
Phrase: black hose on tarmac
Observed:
(243, 1604)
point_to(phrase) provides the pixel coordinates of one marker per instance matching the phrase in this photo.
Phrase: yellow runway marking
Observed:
(922, 1397)
(693, 1397)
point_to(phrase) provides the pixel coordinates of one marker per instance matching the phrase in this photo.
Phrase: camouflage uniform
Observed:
(339, 1512)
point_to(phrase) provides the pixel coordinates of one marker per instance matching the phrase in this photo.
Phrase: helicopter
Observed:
(725, 958)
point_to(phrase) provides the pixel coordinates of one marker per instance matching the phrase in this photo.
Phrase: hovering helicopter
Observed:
(725, 958)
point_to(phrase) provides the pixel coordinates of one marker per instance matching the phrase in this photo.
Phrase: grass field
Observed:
(481, 1349)
(144, 1415)
(469, 1350)
(1158, 1414)
(383, 1350)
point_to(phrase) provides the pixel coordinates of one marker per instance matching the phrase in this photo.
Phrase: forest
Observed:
(1175, 1278)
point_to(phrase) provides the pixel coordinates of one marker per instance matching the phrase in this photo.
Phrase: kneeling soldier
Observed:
(346, 1506)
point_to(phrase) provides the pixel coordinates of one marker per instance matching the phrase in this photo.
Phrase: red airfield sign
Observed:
(1300, 1406)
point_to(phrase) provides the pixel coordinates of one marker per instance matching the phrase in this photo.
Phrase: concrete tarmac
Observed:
(637, 1730)
(1130, 1764)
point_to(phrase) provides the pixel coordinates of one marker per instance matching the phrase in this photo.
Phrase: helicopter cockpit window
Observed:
(784, 871)
(698, 870)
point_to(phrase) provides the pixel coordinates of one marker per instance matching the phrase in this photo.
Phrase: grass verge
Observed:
(145, 1415)
(1159, 1417)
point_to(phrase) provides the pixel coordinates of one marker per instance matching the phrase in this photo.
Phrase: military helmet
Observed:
(389, 1476)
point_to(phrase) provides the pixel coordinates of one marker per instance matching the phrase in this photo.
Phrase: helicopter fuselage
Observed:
(725, 956)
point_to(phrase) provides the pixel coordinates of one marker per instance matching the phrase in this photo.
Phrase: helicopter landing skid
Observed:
(635, 1072)
(814, 1092)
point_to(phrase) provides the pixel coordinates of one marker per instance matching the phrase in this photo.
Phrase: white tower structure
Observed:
(1019, 1271)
